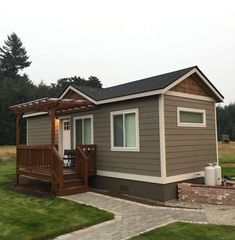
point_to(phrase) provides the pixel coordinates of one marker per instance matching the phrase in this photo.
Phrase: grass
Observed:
(188, 231)
(227, 159)
(28, 217)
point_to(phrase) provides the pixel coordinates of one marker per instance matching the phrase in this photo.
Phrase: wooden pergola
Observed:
(43, 162)
(54, 107)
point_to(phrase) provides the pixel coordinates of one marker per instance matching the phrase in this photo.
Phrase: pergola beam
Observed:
(53, 106)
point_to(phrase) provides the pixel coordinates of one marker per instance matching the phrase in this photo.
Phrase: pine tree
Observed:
(13, 56)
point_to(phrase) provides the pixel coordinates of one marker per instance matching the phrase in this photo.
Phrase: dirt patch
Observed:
(7, 153)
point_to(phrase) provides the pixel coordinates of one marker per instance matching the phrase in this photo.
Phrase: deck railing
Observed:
(90, 152)
(43, 159)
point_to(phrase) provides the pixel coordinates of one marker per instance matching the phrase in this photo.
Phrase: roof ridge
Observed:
(183, 69)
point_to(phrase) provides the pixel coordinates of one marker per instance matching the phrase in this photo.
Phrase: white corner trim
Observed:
(193, 110)
(194, 70)
(187, 95)
(126, 149)
(150, 179)
(34, 114)
(183, 177)
(74, 130)
(161, 113)
(27, 131)
(216, 136)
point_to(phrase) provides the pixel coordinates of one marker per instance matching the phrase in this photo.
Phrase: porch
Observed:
(44, 162)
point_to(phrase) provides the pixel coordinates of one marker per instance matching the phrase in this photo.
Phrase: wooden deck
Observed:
(44, 163)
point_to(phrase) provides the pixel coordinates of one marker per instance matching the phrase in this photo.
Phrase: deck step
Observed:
(72, 190)
(73, 182)
(71, 176)
(41, 175)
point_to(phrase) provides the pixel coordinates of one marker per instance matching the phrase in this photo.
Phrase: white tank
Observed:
(209, 175)
(218, 175)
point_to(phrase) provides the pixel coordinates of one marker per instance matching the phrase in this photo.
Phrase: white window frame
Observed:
(74, 130)
(131, 149)
(193, 110)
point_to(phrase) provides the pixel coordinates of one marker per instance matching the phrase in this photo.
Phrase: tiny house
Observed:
(140, 138)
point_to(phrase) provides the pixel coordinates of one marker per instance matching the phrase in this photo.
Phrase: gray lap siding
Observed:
(188, 149)
(144, 162)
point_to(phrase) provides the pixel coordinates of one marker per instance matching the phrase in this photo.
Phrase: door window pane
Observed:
(78, 130)
(118, 130)
(130, 130)
(87, 130)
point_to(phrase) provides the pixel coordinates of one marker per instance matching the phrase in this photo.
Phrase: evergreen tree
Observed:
(13, 56)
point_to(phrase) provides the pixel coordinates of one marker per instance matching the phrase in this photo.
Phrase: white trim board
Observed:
(187, 95)
(162, 140)
(151, 179)
(194, 70)
(27, 115)
(216, 136)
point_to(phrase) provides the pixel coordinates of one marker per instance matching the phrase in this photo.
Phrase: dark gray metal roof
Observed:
(139, 86)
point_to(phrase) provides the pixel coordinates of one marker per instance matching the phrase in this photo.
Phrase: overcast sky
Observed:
(121, 41)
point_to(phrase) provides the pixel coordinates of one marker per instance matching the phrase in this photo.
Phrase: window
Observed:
(125, 130)
(190, 117)
(83, 130)
(66, 125)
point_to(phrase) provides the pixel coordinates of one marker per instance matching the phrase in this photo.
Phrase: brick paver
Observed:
(131, 218)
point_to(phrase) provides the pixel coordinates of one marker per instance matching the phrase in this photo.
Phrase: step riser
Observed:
(70, 176)
(72, 191)
(73, 184)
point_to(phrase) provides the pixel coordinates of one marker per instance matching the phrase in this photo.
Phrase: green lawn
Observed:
(24, 217)
(187, 231)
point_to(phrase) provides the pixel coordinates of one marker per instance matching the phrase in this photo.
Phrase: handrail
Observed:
(82, 164)
(59, 176)
(43, 158)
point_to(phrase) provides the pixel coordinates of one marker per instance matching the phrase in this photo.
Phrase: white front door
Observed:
(66, 135)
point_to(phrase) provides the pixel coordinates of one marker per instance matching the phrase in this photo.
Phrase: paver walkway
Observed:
(131, 218)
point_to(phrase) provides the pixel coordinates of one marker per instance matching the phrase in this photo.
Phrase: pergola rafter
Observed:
(53, 106)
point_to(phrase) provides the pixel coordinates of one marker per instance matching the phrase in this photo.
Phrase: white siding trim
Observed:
(184, 124)
(162, 136)
(216, 136)
(125, 149)
(192, 96)
(27, 115)
(115, 99)
(135, 177)
(132, 96)
(79, 92)
(183, 177)
(194, 70)
(27, 133)
(92, 128)
(150, 179)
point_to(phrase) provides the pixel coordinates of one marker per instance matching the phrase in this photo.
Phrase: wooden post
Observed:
(52, 115)
(18, 121)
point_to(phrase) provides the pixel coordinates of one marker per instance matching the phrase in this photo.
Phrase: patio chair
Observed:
(69, 158)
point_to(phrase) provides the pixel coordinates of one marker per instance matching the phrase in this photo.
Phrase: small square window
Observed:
(66, 125)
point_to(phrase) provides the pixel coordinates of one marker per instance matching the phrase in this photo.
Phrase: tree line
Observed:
(16, 87)
(226, 121)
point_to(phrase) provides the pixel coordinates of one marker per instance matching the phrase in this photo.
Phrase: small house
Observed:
(140, 138)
